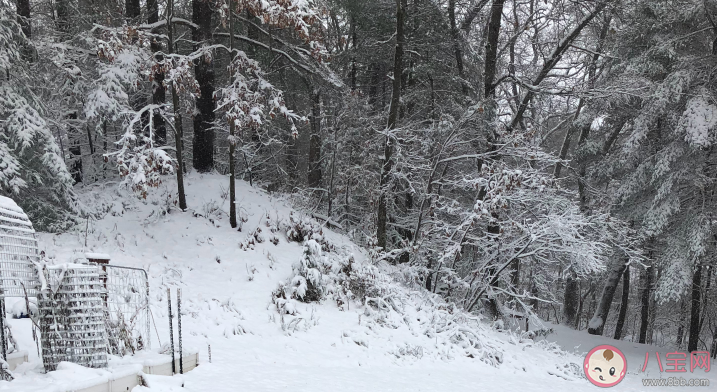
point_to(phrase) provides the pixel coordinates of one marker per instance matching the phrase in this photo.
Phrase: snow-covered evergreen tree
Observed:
(32, 166)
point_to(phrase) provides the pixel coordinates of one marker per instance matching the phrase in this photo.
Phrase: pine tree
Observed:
(32, 168)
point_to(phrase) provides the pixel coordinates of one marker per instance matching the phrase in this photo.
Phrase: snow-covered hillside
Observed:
(405, 341)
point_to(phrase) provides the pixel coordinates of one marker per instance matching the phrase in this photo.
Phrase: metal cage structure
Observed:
(19, 252)
(72, 316)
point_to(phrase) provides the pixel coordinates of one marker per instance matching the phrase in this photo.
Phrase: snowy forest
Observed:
(533, 162)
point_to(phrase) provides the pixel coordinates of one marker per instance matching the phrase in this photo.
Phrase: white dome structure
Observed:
(18, 251)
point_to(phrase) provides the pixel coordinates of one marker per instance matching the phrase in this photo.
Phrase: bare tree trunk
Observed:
(178, 133)
(653, 308)
(597, 323)
(491, 62)
(232, 130)
(713, 349)
(455, 35)
(582, 298)
(515, 274)
(705, 294)
(696, 303)
(645, 303)
(132, 9)
(472, 14)
(330, 189)
(392, 119)
(23, 19)
(681, 329)
(75, 149)
(491, 48)
(623, 303)
(203, 150)
(353, 58)
(376, 78)
(314, 177)
(591, 308)
(511, 64)
(62, 7)
(23, 13)
(571, 299)
(564, 148)
(158, 91)
(533, 302)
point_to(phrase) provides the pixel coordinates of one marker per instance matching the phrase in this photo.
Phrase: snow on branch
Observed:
(298, 15)
(152, 27)
(10, 170)
(27, 136)
(267, 47)
(250, 98)
(10, 35)
(139, 162)
(128, 61)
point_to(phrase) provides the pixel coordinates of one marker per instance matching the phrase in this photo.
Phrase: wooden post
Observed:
(102, 260)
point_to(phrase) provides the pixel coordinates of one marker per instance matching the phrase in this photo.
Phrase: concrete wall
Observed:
(121, 384)
(126, 383)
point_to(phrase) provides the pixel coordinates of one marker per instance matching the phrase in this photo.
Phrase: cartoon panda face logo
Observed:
(605, 366)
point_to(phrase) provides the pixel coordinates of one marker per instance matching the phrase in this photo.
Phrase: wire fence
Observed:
(127, 301)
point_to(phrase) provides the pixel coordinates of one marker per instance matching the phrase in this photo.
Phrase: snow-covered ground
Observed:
(227, 303)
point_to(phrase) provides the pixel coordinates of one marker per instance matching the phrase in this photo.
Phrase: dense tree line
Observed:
(525, 159)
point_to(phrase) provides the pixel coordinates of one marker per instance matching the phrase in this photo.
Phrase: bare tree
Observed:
(392, 121)
(203, 143)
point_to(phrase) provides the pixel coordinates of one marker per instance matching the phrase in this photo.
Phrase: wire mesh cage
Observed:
(72, 315)
(18, 251)
(127, 301)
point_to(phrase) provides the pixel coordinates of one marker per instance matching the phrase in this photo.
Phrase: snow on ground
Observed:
(227, 304)
(580, 342)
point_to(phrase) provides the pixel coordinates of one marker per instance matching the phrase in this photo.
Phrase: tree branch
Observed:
(269, 48)
(553, 60)
(472, 14)
(152, 27)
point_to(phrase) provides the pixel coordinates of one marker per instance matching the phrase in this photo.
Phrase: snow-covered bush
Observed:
(253, 238)
(389, 303)
(301, 229)
(141, 165)
(310, 280)
(386, 300)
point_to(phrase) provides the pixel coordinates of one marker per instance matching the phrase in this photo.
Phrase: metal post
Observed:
(2, 325)
(171, 331)
(179, 327)
(149, 336)
(209, 348)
